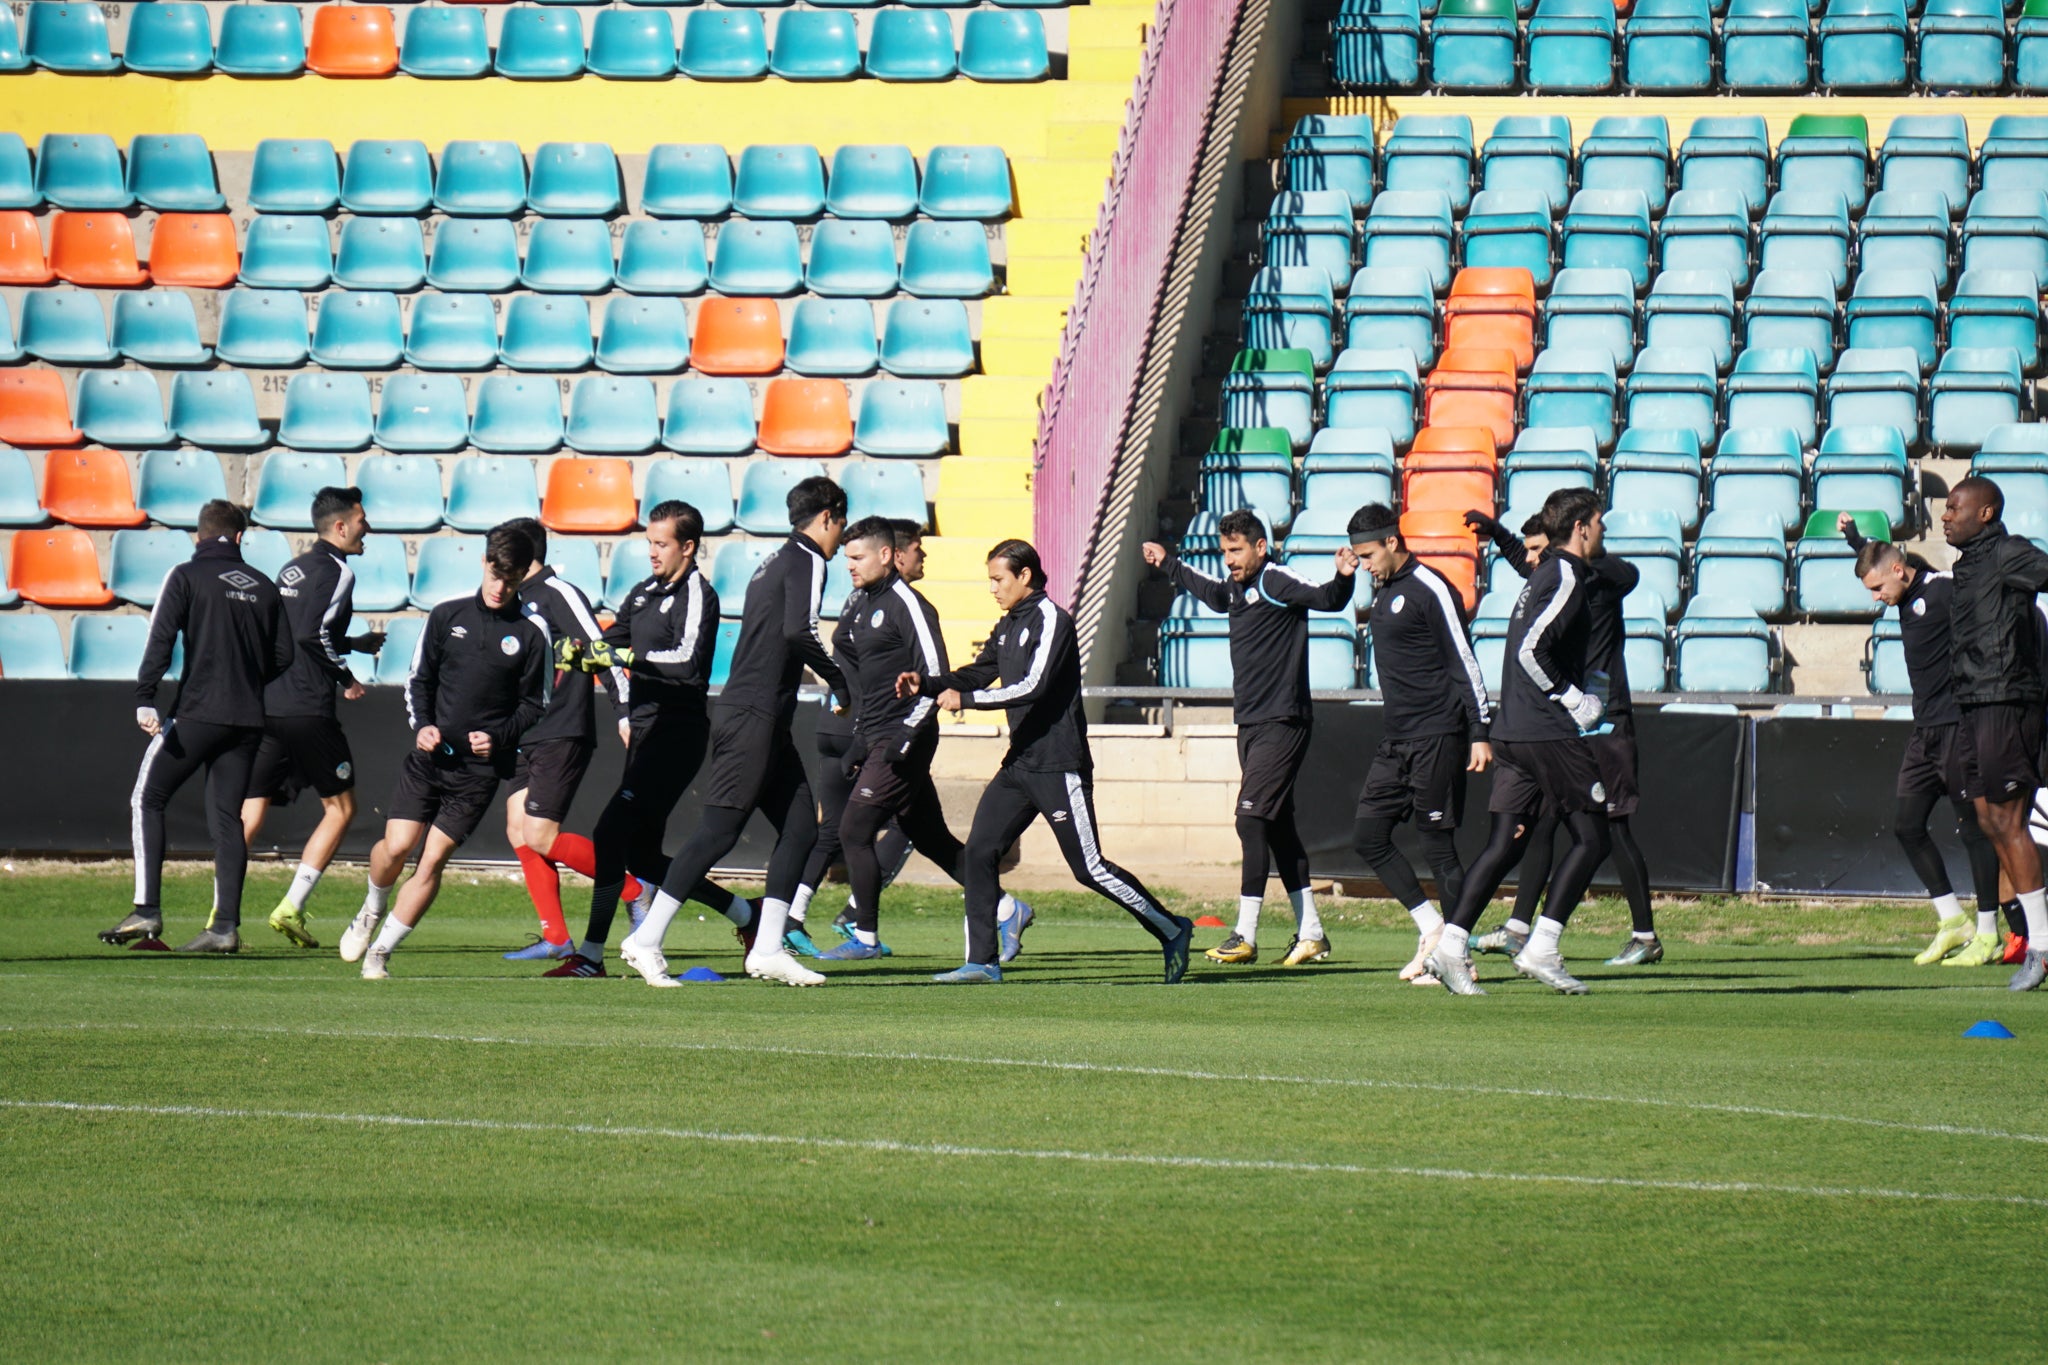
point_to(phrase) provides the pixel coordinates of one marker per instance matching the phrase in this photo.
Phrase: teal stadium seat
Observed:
(483, 491)
(1806, 230)
(400, 493)
(17, 177)
(266, 551)
(387, 177)
(1775, 388)
(384, 583)
(872, 182)
(816, 45)
(516, 415)
(568, 256)
(31, 649)
(20, 504)
(121, 408)
(1656, 481)
(1765, 46)
(539, 43)
(545, 334)
(69, 38)
(732, 569)
(65, 327)
(1608, 230)
(613, 416)
(452, 332)
(473, 255)
(1571, 47)
(1905, 230)
(757, 260)
(286, 251)
(1862, 45)
(263, 329)
(326, 412)
(1573, 388)
(1628, 153)
(1674, 389)
(1368, 389)
(401, 637)
(965, 182)
(724, 45)
(927, 339)
(173, 172)
(1510, 228)
(1305, 229)
(140, 560)
(260, 40)
(633, 45)
(704, 484)
(884, 490)
(449, 567)
(217, 410)
(158, 327)
(1377, 44)
(286, 484)
(1792, 309)
(1876, 386)
(2007, 230)
(172, 485)
(1728, 152)
(1529, 152)
(764, 492)
(81, 170)
(380, 253)
(1759, 471)
(902, 417)
(1722, 645)
(1347, 469)
(1260, 481)
(1290, 308)
(1003, 45)
(1827, 154)
(446, 42)
(358, 331)
(294, 175)
(1431, 152)
(1927, 152)
(687, 180)
(832, 338)
(662, 258)
(780, 181)
(1972, 392)
(1694, 310)
(10, 346)
(852, 259)
(1895, 308)
(643, 336)
(12, 58)
(1997, 308)
(575, 558)
(479, 179)
(574, 180)
(629, 568)
(1741, 556)
(421, 413)
(1390, 306)
(911, 45)
(1473, 47)
(1412, 229)
(1670, 47)
(1706, 230)
(1863, 468)
(708, 416)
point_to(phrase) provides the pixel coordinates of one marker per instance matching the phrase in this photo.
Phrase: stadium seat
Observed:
(1997, 308)
(1305, 229)
(643, 336)
(194, 249)
(1347, 469)
(109, 648)
(1862, 45)
(575, 559)
(96, 250)
(1806, 230)
(609, 415)
(1758, 471)
(737, 337)
(1905, 230)
(2014, 154)
(17, 179)
(287, 251)
(387, 177)
(1570, 47)
(629, 568)
(2007, 230)
(1431, 152)
(20, 504)
(1489, 628)
(1278, 389)
(1741, 555)
(1792, 309)
(216, 411)
(1673, 389)
(173, 172)
(1827, 153)
(946, 260)
(852, 260)
(1693, 310)
(445, 41)
(21, 250)
(1509, 228)
(1774, 388)
(1728, 152)
(516, 415)
(544, 333)
(539, 44)
(1411, 228)
(1895, 308)
(479, 179)
(1545, 459)
(449, 567)
(632, 45)
(475, 256)
(872, 182)
(1722, 645)
(806, 417)
(965, 183)
(724, 45)
(568, 256)
(1450, 469)
(1194, 651)
(1332, 160)
(294, 176)
(326, 412)
(1261, 481)
(68, 38)
(56, 568)
(1656, 480)
(1972, 391)
(287, 483)
(1377, 44)
(1574, 388)
(1473, 46)
(1608, 230)
(832, 338)
(452, 332)
(1653, 541)
(1706, 230)
(1876, 386)
(89, 487)
(1367, 390)
(400, 492)
(422, 413)
(780, 181)
(1003, 45)
(2029, 51)
(1824, 582)
(81, 171)
(1962, 46)
(1864, 468)
(172, 485)
(757, 259)
(911, 45)
(1670, 46)
(884, 490)
(1627, 153)
(763, 507)
(709, 416)
(733, 567)
(1592, 308)
(31, 649)
(380, 253)
(392, 665)
(902, 418)
(260, 40)
(1389, 306)
(65, 327)
(1472, 387)
(383, 583)
(1291, 309)
(121, 408)
(483, 492)
(1528, 152)
(662, 258)
(1885, 657)
(10, 347)
(1927, 153)
(139, 561)
(1765, 46)
(34, 410)
(587, 496)
(358, 331)
(704, 484)
(352, 40)
(687, 181)
(574, 180)
(820, 45)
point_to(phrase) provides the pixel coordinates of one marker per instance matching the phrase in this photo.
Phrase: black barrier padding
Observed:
(69, 752)
(1691, 784)
(1824, 796)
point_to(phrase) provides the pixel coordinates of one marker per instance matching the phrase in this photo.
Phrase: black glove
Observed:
(1483, 524)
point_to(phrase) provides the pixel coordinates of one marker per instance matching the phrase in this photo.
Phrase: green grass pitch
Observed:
(1777, 1143)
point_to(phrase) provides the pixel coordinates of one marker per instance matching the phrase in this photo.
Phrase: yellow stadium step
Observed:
(989, 519)
(1062, 188)
(1020, 337)
(1104, 63)
(967, 476)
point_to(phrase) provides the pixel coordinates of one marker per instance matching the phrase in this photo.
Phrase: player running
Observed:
(237, 639)
(303, 742)
(479, 681)
(1539, 741)
(1995, 661)
(754, 760)
(1436, 718)
(1268, 607)
(1048, 769)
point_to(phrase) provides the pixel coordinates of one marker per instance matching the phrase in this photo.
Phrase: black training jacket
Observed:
(564, 612)
(672, 629)
(479, 669)
(779, 634)
(237, 637)
(1546, 652)
(318, 591)
(840, 725)
(1430, 683)
(1033, 650)
(1268, 635)
(1995, 635)
(1926, 627)
(1609, 581)
(896, 632)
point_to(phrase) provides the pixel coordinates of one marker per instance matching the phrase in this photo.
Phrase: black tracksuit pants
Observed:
(662, 760)
(228, 754)
(834, 785)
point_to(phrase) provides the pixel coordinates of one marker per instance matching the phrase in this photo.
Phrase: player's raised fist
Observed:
(1154, 552)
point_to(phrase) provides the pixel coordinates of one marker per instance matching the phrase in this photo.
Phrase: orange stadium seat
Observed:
(21, 250)
(90, 487)
(194, 249)
(1449, 469)
(737, 336)
(34, 410)
(57, 568)
(353, 40)
(96, 249)
(1493, 307)
(589, 496)
(806, 417)
(1442, 540)
(1472, 387)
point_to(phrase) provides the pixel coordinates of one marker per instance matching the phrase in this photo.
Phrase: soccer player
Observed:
(479, 681)
(1268, 607)
(1995, 660)
(1609, 581)
(303, 742)
(1921, 594)
(1539, 742)
(1048, 770)
(237, 639)
(1436, 717)
(555, 754)
(666, 635)
(754, 761)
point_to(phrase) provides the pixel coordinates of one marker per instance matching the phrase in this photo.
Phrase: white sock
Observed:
(1308, 925)
(1456, 942)
(655, 926)
(392, 934)
(1518, 926)
(1248, 917)
(1644, 936)
(1543, 941)
(1427, 920)
(801, 902)
(376, 896)
(2035, 903)
(866, 937)
(1006, 908)
(1987, 922)
(303, 882)
(591, 952)
(1947, 907)
(774, 919)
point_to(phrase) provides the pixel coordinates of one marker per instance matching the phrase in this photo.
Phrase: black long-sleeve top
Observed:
(779, 633)
(318, 590)
(1034, 651)
(1268, 635)
(479, 668)
(1546, 652)
(237, 637)
(1430, 681)
(672, 629)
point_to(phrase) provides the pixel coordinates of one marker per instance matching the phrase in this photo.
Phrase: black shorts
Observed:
(1531, 776)
(1269, 757)
(1999, 750)
(451, 795)
(662, 759)
(1422, 777)
(1615, 754)
(747, 750)
(887, 781)
(550, 772)
(300, 752)
(1933, 763)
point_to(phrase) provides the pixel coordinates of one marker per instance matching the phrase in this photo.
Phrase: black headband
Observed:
(1387, 531)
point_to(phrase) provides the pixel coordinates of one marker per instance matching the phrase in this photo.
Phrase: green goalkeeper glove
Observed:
(601, 656)
(566, 652)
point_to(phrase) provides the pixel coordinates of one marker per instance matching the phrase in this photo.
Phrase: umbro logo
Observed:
(292, 574)
(867, 791)
(235, 578)
(459, 632)
(1059, 817)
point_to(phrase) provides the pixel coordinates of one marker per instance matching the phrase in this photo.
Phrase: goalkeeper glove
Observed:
(566, 651)
(601, 656)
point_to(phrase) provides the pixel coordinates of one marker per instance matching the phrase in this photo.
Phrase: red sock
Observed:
(544, 885)
(578, 854)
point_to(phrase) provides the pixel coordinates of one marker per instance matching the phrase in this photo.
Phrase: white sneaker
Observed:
(778, 965)
(1418, 966)
(649, 962)
(637, 908)
(1549, 969)
(355, 940)
(377, 964)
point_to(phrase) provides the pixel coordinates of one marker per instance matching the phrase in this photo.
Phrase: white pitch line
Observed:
(1088, 1068)
(941, 1149)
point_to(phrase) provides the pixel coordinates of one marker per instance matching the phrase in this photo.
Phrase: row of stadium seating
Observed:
(176, 172)
(1672, 47)
(513, 414)
(532, 43)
